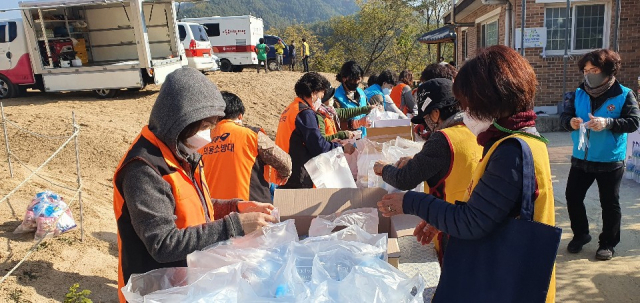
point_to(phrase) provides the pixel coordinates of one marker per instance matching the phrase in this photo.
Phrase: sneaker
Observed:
(605, 253)
(575, 246)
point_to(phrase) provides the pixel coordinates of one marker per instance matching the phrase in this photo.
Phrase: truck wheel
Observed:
(273, 65)
(7, 89)
(106, 93)
(237, 69)
(225, 65)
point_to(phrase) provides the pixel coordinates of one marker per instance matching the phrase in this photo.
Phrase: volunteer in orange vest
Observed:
(161, 202)
(447, 159)
(298, 133)
(236, 158)
(499, 111)
(329, 117)
(401, 93)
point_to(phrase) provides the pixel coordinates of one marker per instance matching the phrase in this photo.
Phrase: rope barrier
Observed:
(38, 175)
(34, 133)
(41, 166)
(35, 246)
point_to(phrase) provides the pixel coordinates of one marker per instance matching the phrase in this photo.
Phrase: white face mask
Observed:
(386, 91)
(198, 141)
(476, 126)
(317, 104)
(331, 102)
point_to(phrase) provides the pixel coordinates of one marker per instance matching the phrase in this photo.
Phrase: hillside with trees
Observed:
(275, 13)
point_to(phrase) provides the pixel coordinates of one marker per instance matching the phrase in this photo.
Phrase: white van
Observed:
(233, 39)
(76, 45)
(196, 45)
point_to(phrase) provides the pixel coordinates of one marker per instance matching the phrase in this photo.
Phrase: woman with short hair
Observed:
(607, 110)
(497, 90)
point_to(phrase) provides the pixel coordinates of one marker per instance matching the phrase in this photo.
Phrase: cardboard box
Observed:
(392, 123)
(305, 204)
(385, 134)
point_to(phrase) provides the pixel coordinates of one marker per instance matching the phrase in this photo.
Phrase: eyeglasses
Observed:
(594, 70)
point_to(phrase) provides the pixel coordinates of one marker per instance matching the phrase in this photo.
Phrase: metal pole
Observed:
(524, 11)
(75, 129)
(616, 37)
(566, 49)
(6, 140)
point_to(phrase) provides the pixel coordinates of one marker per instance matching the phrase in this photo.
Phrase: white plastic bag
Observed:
(365, 218)
(330, 170)
(376, 115)
(182, 284)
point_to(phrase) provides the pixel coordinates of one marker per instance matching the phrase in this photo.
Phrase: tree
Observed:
(319, 60)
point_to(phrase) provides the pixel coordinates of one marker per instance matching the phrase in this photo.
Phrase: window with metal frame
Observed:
(465, 52)
(490, 33)
(586, 27)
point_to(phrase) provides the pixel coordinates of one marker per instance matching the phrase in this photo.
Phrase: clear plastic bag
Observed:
(366, 218)
(583, 142)
(330, 170)
(182, 284)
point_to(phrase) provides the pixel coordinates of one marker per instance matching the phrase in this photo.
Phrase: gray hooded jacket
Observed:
(186, 96)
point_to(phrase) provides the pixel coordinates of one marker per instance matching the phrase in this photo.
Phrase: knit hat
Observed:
(433, 94)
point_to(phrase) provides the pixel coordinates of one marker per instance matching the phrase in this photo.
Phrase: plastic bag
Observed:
(376, 115)
(42, 213)
(583, 142)
(182, 284)
(366, 218)
(369, 153)
(330, 170)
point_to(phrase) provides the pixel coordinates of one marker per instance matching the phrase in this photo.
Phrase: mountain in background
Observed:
(274, 13)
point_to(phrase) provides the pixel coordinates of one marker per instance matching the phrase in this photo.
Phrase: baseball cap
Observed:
(328, 94)
(433, 94)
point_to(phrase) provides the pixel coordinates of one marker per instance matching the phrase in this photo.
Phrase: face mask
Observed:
(594, 80)
(476, 126)
(317, 104)
(198, 141)
(386, 91)
(351, 86)
(331, 102)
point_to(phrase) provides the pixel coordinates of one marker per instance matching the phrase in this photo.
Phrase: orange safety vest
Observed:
(287, 123)
(189, 210)
(329, 126)
(231, 164)
(465, 153)
(544, 211)
(396, 96)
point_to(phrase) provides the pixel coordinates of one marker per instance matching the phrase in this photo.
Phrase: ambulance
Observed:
(102, 46)
(233, 39)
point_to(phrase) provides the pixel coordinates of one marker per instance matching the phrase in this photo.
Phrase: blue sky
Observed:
(9, 4)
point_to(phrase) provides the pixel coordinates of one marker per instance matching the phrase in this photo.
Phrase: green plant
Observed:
(73, 296)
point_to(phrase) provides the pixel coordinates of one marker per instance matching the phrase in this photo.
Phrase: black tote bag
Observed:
(512, 264)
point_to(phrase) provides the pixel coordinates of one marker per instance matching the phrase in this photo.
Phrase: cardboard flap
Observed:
(403, 225)
(393, 248)
(384, 134)
(304, 204)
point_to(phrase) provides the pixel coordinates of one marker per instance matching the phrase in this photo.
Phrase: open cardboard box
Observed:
(385, 134)
(305, 204)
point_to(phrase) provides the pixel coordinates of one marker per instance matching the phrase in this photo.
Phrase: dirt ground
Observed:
(108, 127)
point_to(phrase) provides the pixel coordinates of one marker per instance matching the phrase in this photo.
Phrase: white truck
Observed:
(233, 39)
(75, 45)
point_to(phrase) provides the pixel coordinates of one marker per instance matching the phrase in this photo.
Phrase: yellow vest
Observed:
(544, 211)
(466, 154)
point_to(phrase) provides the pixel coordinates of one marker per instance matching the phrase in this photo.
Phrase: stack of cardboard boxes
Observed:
(81, 50)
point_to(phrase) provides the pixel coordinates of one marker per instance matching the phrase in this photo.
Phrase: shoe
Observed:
(605, 253)
(575, 246)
